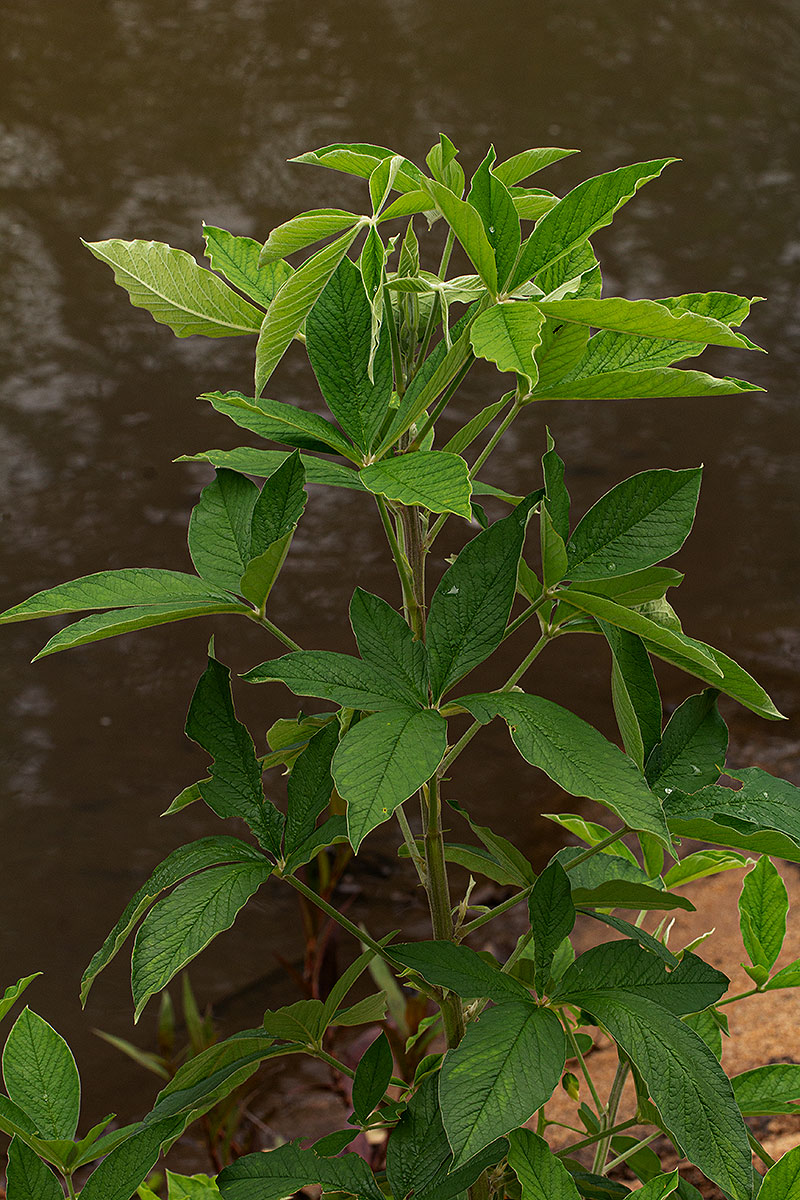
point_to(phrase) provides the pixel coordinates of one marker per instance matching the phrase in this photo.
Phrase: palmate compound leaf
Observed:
(237, 259)
(632, 995)
(419, 1160)
(235, 788)
(432, 479)
(504, 1068)
(470, 607)
(575, 756)
(383, 760)
(178, 927)
(41, 1077)
(275, 1174)
(185, 861)
(175, 290)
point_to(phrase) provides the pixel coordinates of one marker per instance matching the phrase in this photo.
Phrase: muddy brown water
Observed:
(139, 119)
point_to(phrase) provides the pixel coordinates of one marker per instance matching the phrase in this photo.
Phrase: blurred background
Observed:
(141, 119)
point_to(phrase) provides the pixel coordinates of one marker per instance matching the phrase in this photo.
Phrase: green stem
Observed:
(394, 342)
(495, 438)
(596, 849)
(434, 313)
(399, 557)
(438, 892)
(577, 1053)
(335, 915)
(610, 1116)
(265, 622)
(411, 845)
(595, 1137)
(442, 402)
(338, 1065)
(523, 616)
(505, 907)
(415, 555)
(740, 996)
(766, 1158)
(70, 1187)
(621, 1158)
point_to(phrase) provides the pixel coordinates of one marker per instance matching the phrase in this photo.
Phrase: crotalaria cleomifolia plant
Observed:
(390, 342)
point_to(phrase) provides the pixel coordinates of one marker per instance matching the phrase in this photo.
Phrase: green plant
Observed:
(378, 334)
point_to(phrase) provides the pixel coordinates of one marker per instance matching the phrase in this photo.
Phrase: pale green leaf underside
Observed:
(432, 479)
(653, 383)
(175, 290)
(99, 626)
(264, 463)
(237, 259)
(645, 318)
(279, 422)
(508, 335)
(183, 924)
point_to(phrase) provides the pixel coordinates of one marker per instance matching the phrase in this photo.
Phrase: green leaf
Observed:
(13, 993)
(100, 626)
(180, 926)
(783, 1179)
(195, 856)
(508, 334)
(708, 1026)
(383, 760)
(433, 479)
(692, 749)
(493, 201)
(386, 642)
(419, 1159)
(304, 230)
(235, 788)
(275, 1174)
(278, 422)
(556, 496)
(219, 529)
(27, 1177)
(372, 1077)
(552, 916)
(119, 1175)
(460, 970)
(466, 224)
(237, 258)
(466, 436)
(639, 587)
(507, 855)
(625, 893)
(592, 833)
(504, 1068)
(470, 607)
(725, 675)
(115, 589)
(277, 511)
(532, 203)
(332, 832)
(635, 933)
(575, 756)
(702, 864)
(339, 677)
(368, 1011)
(406, 205)
(309, 786)
(762, 815)
(442, 160)
(303, 1021)
(685, 1081)
(213, 1074)
(175, 290)
(634, 691)
(656, 382)
(769, 1090)
(196, 1187)
(528, 162)
(292, 305)
(763, 906)
(660, 1187)
(788, 976)
(361, 158)
(41, 1077)
(585, 209)
(554, 552)
(265, 462)
(542, 1176)
(645, 318)
(338, 342)
(640, 521)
